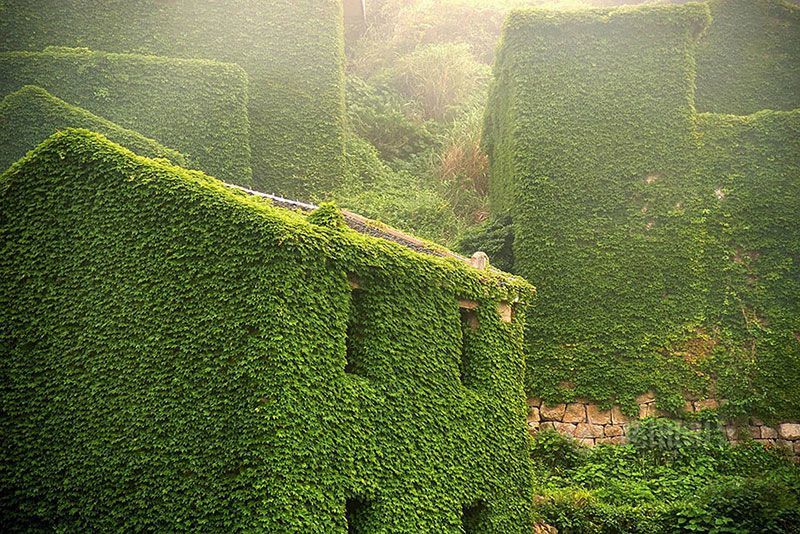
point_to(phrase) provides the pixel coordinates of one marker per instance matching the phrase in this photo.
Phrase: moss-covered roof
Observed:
(287, 212)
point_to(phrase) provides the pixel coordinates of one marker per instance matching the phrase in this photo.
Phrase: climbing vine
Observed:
(662, 242)
(174, 356)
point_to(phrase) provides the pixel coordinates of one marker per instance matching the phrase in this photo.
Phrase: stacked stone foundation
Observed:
(591, 425)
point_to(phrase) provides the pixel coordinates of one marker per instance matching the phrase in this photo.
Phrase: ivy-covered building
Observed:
(177, 353)
(292, 52)
(663, 241)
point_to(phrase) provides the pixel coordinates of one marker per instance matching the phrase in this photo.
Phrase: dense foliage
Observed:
(749, 59)
(668, 479)
(198, 107)
(174, 356)
(31, 115)
(397, 197)
(663, 244)
(292, 51)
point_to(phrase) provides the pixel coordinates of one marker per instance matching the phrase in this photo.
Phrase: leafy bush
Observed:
(664, 441)
(557, 451)
(377, 115)
(398, 198)
(668, 479)
(755, 505)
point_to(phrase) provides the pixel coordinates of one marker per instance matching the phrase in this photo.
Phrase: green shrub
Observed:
(663, 441)
(668, 479)
(755, 505)
(31, 115)
(462, 167)
(198, 107)
(556, 451)
(377, 116)
(373, 189)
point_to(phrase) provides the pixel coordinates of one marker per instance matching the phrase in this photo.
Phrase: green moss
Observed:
(174, 354)
(198, 107)
(614, 187)
(749, 59)
(292, 51)
(31, 115)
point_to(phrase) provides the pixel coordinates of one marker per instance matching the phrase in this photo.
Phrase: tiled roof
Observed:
(362, 225)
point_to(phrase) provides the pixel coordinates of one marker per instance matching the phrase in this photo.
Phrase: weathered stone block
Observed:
(566, 428)
(617, 417)
(616, 440)
(612, 431)
(647, 410)
(789, 431)
(588, 430)
(533, 427)
(552, 413)
(548, 425)
(706, 404)
(732, 433)
(534, 402)
(688, 406)
(533, 415)
(767, 432)
(597, 416)
(646, 397)
(575, 413)
(589, 442)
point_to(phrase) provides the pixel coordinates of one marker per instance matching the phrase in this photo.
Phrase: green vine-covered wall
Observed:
(174, 356)
(198, 107)
(292, 51)
(31, 115)
(749, 59)
(753, 165)
(659, 239)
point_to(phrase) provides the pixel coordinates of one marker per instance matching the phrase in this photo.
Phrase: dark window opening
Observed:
(475, 517)
(355, 334)
(469, 319)
(469, 326)
(355, 512)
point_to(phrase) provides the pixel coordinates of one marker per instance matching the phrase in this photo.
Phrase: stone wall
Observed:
(592, 426)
